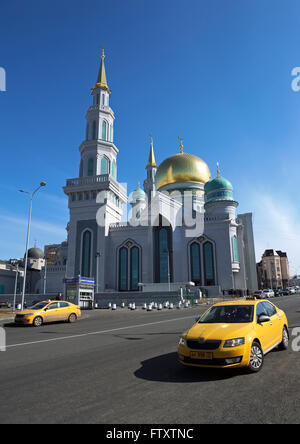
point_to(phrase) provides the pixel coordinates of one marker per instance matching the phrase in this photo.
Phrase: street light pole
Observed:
(42, 184)
(45, 276)
(16, 264)
(98, 254)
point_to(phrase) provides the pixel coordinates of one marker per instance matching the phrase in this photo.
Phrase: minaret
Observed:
(96, 198)
(149, 183)
(98, 152)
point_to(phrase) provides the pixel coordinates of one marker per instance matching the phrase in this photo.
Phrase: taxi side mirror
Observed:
(197, 318)
(263, 318)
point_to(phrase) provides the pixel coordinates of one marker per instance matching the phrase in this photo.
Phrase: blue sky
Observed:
(217, 72)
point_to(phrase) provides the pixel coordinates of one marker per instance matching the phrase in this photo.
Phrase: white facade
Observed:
(216, 254)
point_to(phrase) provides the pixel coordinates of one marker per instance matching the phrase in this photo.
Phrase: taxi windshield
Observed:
(40, 305)
(228, 314)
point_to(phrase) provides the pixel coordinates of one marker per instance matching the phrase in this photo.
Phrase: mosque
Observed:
(183, 226)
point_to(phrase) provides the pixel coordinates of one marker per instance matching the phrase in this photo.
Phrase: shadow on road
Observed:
(166, 368)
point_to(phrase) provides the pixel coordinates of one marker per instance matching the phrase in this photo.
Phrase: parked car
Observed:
(277, 292)
(5, 304)
(269, 293)
(259, 294)
(285, 292)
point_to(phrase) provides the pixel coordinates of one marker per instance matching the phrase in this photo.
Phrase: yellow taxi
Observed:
(46, 312)
(234, 334)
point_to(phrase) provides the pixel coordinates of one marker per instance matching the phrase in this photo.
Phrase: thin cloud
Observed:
(276, 226)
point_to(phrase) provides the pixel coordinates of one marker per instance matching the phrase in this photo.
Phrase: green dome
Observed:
(217, 184)
(138, 194)
(218, 189)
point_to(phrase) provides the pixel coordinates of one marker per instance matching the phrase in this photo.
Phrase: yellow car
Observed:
(234, 334)
(51, 311)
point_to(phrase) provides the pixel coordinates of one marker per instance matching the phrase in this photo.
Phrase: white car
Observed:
(269, 293)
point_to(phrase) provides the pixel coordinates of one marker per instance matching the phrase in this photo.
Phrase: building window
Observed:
(134, 268)
(103, 99)
(195, 263)
(90, 167)
(235, 249)
(113, 169)
(129, 267)
(208, 254)
(86, 254)
(94, 130)
(104, 127)
(87, 131)
(123, 269)
(104, 166)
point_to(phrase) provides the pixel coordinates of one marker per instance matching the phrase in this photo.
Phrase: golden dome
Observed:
(180, 168)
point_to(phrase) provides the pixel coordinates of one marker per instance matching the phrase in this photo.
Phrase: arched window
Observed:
(235, 249)
(164, 263)
(90, 167)
(123, 269)
(104, 128)
(113, 169)
(104, 166)
(87, 131)
(163, 260)
(94, 130)
(86, 254)
(195, 263)
(81, 169)
(134, 268)
(209, 273)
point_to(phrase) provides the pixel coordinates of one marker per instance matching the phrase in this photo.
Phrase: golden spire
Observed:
(218, 170)
(151, 160)
(181, 144)
(101, 80)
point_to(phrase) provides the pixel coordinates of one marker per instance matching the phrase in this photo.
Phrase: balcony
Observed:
(84, 181)
(95, 183)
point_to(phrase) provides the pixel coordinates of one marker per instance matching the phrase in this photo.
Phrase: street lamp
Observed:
(31, 196)
(15, 263)
(98, 255)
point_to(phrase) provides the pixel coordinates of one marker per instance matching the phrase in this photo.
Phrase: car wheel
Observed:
(284, 345)
(256, 358)
(37, 322)
(72, 318)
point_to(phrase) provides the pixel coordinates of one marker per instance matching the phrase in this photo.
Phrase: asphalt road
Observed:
(121, 368)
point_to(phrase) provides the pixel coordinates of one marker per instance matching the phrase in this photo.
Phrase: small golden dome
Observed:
(180, 168)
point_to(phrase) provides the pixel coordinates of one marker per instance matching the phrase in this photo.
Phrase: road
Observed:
(120, 368)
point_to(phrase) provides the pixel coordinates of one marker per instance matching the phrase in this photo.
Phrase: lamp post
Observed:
(16, 264)
(98, 255)
(31, 196)
(45, 276)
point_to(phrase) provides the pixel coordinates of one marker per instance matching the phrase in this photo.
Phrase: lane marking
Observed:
(62, 338)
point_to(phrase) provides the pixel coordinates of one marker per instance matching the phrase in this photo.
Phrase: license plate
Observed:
(201, 355)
